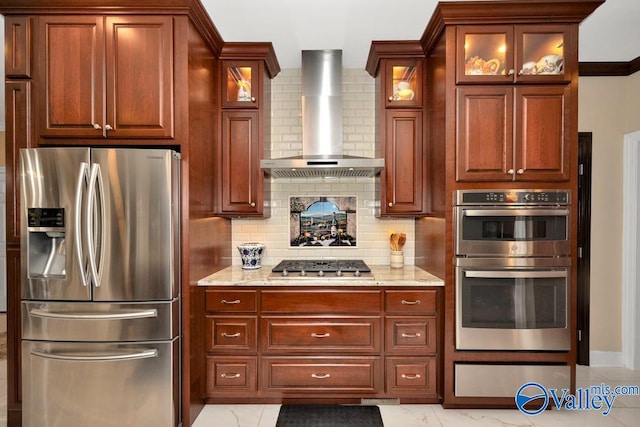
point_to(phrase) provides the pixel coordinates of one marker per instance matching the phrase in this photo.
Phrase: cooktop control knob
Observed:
(357, 273)
(303, 273)
(320, 273)
(339, 273)
(285, 273)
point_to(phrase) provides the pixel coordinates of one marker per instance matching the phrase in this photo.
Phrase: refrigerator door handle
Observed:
(122, 315)
(83, 175)
(142, 354)
(95, 265)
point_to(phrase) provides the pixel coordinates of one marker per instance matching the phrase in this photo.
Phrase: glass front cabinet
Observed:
(403, 84)
(240, 84)
(515, 54)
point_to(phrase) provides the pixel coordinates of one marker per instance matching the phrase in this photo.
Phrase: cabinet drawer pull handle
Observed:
(416, 335)
(224, 301)
(325, 335)
(405, 302)
(226, 335)
(321, 376)
(230, 376)
(411, 376)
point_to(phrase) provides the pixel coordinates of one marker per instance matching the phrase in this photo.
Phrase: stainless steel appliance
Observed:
(322, 269)
(100, 278)
(512, 304)
(512, 270)
(531, 223)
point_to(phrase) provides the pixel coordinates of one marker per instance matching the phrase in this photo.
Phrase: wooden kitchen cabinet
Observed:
(245, 87)
(400, 137)
(322, 343)
(231, 342)
(507, 133)
(242, 187)
(18, 53)
(241, 84)
(515, 54)
(105, 77)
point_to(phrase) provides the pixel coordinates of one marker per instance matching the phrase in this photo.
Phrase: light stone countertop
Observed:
(409, 275)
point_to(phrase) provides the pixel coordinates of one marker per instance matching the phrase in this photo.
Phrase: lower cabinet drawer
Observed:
(411, 376)
(410, 335)
(231, 375)
(357, 334)
(230, 334)
(311, 374)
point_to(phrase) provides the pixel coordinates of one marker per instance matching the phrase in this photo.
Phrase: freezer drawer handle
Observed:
(143, 354)
(96, 316)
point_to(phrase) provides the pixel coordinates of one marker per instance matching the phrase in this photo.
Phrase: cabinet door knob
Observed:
(253, 99)
(520, 171)
(252, 204)
(390, 204)
(510, 171)
(511, 72)
(108, 127)
(97, 126)
(391, 98)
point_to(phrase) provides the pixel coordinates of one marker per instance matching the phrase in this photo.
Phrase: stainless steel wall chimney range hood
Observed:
(322, 125)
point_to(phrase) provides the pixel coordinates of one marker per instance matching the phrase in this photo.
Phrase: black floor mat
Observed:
(329, 416)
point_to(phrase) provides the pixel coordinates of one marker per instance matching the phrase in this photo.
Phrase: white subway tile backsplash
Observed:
(286, 141)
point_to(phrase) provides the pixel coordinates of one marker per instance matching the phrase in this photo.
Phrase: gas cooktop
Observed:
(333, 268)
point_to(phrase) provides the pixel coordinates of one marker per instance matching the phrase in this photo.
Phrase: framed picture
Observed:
(323, 221)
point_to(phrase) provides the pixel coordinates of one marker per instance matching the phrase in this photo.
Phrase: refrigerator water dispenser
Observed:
(46, 241)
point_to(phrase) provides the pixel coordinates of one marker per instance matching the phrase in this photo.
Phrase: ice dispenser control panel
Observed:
(47, 245)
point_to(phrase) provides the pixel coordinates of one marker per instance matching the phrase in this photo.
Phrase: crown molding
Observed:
(609, 69)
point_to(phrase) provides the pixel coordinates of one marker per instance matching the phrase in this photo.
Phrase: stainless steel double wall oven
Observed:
(512, 269)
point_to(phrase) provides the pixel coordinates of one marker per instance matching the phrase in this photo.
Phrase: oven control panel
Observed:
(513, 197)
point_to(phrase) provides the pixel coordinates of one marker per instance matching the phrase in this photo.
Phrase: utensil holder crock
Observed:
(251, 254)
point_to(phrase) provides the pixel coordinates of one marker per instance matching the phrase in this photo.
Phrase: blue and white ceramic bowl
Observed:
(251, 254)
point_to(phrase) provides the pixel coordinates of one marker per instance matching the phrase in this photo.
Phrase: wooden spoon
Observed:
(401, 241)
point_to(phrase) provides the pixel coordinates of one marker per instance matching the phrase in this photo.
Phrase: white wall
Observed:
(609, 108)
(286, 136)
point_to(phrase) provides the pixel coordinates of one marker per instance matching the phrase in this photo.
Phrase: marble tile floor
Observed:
(625, 412)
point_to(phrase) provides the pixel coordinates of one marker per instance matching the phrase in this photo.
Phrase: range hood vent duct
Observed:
(322, 130)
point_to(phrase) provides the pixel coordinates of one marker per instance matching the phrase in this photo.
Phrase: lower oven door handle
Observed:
(143, 354)
(515, 212)
(515, 274)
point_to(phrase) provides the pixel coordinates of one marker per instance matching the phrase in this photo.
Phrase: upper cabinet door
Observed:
(515, 54)
(484, 54)
(139, 76)
(240, 84)
(402, 83)
(128, 96)
(70, 53)
(540, 53)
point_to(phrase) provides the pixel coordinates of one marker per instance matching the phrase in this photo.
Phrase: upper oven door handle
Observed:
(508, 274)
(515, 212)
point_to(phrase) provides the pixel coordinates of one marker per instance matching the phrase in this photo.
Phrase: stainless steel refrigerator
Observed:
(100, 274)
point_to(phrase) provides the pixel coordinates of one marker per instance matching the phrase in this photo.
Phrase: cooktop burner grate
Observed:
(327, 266)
